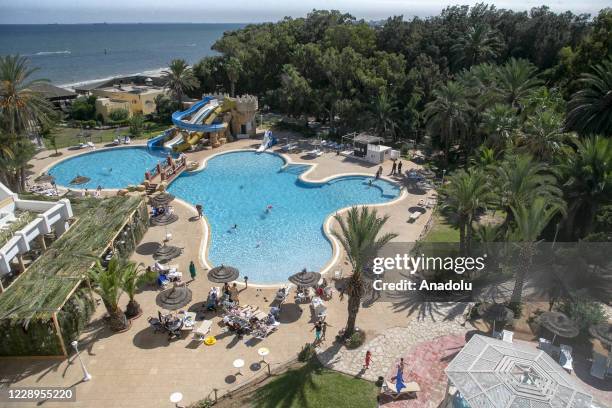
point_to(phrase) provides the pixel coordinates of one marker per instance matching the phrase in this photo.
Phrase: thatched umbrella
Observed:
(164, 219)
(223, 274)
(559, 324)
(167, 252)
(305, 278)
(602, 332)
(161, 200)
(174, 298)
(45, 178)
(495, 312)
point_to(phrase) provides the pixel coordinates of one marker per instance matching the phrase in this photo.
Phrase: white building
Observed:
(46, 217)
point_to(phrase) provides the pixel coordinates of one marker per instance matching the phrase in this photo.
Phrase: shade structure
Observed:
(223, 274)
(559, 324)
(491, 373)
(602, 332)
(496, 312)
(79, 180)
(161, 199)
(167, 252)
(174, 298)
(165, 219)
(305, 278)
(45, 178)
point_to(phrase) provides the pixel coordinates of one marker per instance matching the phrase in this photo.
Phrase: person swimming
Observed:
(269, 209)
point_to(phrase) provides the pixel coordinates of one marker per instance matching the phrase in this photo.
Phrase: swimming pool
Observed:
(235, 188)
(109, 168)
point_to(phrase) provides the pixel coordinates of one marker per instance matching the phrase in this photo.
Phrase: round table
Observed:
(176, 397)
(263, 352)
(239, 363)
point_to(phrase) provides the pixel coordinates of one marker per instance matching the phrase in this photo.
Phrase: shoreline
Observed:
(155, 72)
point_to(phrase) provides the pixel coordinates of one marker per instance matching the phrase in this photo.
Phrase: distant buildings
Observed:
(135, 99)
(60, 98)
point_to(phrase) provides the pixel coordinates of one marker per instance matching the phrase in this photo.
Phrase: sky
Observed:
(241, 11)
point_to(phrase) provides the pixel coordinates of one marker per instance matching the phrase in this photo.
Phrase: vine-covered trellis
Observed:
(50, 303)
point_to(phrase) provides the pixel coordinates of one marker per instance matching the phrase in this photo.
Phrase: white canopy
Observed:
(491, 373)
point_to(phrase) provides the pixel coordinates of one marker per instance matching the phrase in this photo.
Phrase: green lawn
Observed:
(67, 137)
(313, 386)
(441, 231)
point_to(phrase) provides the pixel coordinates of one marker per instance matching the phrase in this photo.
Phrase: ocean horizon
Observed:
(74, 54)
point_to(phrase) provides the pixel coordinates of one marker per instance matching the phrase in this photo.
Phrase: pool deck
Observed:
(141, 369)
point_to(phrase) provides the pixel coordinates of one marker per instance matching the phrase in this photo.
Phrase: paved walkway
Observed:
(387, 348)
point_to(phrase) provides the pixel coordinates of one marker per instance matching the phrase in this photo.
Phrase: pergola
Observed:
(360, 142)
(491, 373)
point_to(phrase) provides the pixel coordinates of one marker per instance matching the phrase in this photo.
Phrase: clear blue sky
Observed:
(210, 11)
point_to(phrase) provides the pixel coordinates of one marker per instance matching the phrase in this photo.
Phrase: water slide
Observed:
(268, 141)
(199, 119)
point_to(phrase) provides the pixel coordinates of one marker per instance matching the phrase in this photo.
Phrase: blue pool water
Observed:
(111, 168)
(236, 188)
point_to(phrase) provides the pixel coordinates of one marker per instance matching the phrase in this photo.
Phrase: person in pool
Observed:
(269, 209)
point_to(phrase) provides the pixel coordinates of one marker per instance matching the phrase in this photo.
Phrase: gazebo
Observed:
(490, 373)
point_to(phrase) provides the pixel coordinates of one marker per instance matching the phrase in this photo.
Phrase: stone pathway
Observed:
(386, 348)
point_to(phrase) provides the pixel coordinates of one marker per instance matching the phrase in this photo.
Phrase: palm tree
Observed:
(543, 135)
(515, 80)
(590, 109)
(21, 107)
(465, 194)
(233, 69)
(385, 112)
(499, 124)
(179, 79)
(360, 235)
(448, 115)
(480, 43)
(108, 283)
(530, 221)
(520, 180)
(133, 278)
(588, 185)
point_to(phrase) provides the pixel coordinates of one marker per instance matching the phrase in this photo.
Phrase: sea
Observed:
(74, 54)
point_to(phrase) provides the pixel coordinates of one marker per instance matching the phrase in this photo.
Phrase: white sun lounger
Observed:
(315, 153)
(507, 336)
(565, 357)
(202, 330)
(389, 388)
(415, 216)
(289, 146)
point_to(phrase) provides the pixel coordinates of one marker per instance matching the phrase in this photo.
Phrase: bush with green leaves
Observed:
(356, 340)
(307, 352)
(585, 312)
(119, 115)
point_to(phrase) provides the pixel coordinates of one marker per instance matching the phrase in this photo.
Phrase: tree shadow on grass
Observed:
(289, 389)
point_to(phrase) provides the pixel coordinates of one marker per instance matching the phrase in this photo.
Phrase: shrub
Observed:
(307, 353)
(585, 312)
(119, 115)
(205, 403)
(356, 340)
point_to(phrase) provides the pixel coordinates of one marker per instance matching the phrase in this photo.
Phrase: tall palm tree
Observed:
(448, 116)
(515, 80)
(499, 124)
(361, 237)
(384, 114)
(465, 194)
(133, 278)
(520, 180)
(590, 108)
(543, 135)
(233, 69)
(179, 79)
(530, 221)
(480, 43)
(22, 108)
(108, 283)
(588, 185)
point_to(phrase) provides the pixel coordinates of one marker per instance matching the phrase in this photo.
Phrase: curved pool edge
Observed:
(327, 224)
(46, 168)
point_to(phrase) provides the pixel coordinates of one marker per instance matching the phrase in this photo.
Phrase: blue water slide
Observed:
(158, 141)
(178, 118)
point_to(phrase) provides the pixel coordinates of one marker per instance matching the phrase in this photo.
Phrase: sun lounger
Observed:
(414, 216)
(507, 336)
(289, 146)
(90, 144)
(389, 388)
(599, 366)
(202, 330)
(565, 357)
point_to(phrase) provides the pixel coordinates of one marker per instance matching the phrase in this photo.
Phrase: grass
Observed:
(441, 231)
(312, 386)
(67, 136)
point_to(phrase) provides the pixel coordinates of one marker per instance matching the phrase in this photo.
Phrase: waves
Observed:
(153, 72)
(43, 53)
